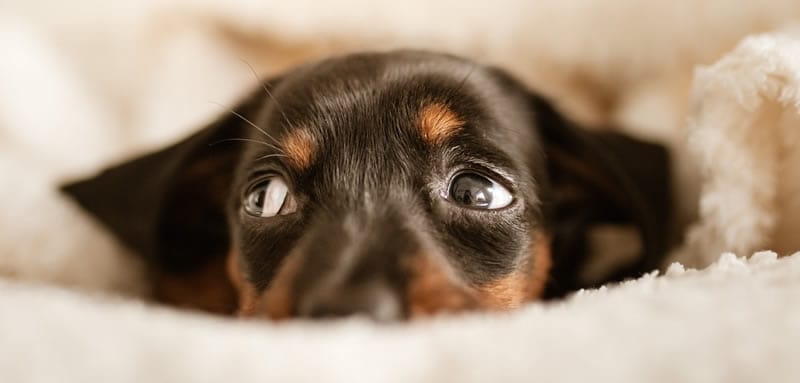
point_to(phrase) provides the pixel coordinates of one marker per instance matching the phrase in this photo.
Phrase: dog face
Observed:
(393, 185)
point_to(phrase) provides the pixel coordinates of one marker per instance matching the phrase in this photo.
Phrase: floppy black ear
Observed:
(601, 179)
(169, 206)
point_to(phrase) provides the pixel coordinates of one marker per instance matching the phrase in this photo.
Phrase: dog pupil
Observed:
(260, 198)
(472, 190)
(256, 199)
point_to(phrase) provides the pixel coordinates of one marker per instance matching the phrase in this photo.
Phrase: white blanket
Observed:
(89, 83)
(744, 132)
(737, 321)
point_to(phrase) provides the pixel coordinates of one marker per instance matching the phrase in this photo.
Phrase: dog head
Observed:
(392, 184)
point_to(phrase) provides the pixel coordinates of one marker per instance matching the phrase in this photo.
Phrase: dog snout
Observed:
(353, 267)
(375, 300)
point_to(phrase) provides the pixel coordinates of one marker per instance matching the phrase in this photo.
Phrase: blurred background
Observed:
(87, 82)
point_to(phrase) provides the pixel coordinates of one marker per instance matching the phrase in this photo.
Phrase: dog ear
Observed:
(169, 206)
(599, 180)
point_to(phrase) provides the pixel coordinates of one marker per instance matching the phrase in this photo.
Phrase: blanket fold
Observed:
(744, 133)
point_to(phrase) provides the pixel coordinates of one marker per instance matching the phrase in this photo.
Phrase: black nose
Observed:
(373, 300)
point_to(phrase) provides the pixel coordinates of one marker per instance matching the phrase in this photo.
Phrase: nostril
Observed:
(376, 302)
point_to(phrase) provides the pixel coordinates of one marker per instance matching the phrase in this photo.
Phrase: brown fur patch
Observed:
(523, 285)
(433, 290)
(300, 148)
(542, 262)
(437, 123)
(276, 302)
(246, 292)
(206, 288)
(506, 293)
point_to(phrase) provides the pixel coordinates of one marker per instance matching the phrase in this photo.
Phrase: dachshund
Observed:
(393, 185)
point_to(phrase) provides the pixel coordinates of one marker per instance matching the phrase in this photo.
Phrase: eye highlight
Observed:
(475, 191)
(269, 198)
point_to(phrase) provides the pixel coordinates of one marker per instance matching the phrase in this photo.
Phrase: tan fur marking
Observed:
(505, 293)
(432, 290)
(542, 261)
(523, 285)
(300, 148)
(276, 302)
(246, 291)
(437, 123)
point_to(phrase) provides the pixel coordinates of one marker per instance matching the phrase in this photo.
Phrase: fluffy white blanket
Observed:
(82, 87)
(728, 323)
(744, 132)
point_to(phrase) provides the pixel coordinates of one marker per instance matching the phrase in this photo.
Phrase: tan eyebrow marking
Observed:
(437, 123)
(300, 148)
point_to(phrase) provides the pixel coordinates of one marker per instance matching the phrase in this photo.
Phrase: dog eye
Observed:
(478, 192)
(269, 198)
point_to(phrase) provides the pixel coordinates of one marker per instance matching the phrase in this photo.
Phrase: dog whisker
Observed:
(271, 156)
(266, 90)
(245, 119)
(267, 144)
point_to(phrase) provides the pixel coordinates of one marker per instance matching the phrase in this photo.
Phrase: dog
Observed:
(392, 185)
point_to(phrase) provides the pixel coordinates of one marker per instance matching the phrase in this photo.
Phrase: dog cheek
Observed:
(542, 262)
(505, 293)
(277, 301)
(524, 284)
(433, 289)
(246, 292)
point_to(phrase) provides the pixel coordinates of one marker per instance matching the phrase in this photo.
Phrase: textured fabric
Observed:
(744, 133)
(733, 322)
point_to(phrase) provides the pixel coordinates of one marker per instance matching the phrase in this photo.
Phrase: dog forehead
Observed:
(428, 95)
(380, 111)
(396, 65)
(371, 96)
(356, 79)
